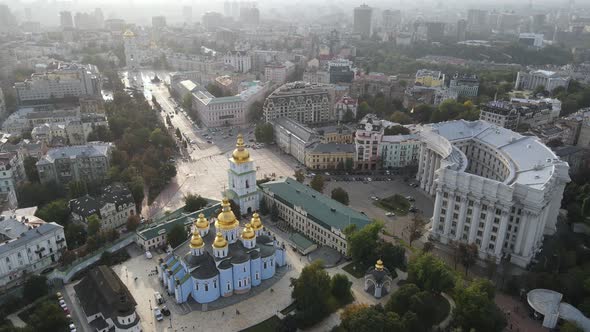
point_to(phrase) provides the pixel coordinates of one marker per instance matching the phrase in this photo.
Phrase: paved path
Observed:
(16, 321)
(447, 321)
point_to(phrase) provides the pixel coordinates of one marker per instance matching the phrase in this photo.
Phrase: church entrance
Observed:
(249, 210)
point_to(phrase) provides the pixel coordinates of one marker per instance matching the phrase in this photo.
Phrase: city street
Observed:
(204, 171)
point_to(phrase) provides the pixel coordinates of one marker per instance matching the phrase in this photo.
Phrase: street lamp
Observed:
(170, 321)
(150, 301)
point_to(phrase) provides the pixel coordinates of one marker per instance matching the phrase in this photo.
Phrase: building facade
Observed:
(495, 188)
(87, 163)
(113, 207)
(239, 60)
(29, 245)
(300, 101)
(536, 78)
(399, 151)
(293, 137)
(367, 139)
(429, 78)
(221, 259)
(464, 85)
(312, 214)
(324, 156)
(67, 81)
(362, 20)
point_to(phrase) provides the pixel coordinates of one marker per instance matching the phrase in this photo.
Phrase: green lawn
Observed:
(397, 204)
(442, 308)
(270, 325)
(357, 273)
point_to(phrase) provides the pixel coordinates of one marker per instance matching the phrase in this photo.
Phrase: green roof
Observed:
(164, 225)
(185, 278)
(322, 209)
(300, 241)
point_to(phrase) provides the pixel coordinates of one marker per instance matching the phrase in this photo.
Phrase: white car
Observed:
(62, 302)
(158, 314)
(148, 255)
(72, 327)
(390, 214)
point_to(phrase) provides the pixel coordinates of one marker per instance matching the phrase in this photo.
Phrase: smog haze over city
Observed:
(274, 165)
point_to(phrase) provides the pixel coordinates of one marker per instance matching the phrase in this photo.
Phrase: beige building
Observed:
(330, 156)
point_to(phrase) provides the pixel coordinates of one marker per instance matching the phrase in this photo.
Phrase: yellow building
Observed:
(429, 78)
(336, 134)
(330, 156)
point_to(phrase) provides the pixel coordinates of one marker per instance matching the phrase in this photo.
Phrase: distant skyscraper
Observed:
(187, 14)
(435, 31)
(158, 22)
(477, 21)
(362, 20)
(235, 9)
(391, 20)
(461, 30)
(65, 19)
(7, 19)
(28, 14)
(250, 15)
(227, 8)
(99, 16)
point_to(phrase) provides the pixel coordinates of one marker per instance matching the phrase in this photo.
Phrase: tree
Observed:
(475, 308)
(75, 235)
(255, 111)
(415, 229)
(133, 222)
(176, 235)
(311, 291)
(400, 117)
(422, 113)
(194, 203)
(299, 176)
(400, 301)
(100, 133)
(317, 183)
(48, 317)
(264, 133)
(364, 318)
(30, 165)
(430, 274)
(363, 110)
(428, 246)
(274, 212)
(340, 195)
(467, 255)
(570, 327)
(396, 130)
(393, 256)
(341, 288)
(35, 287)
(348, 116)
(540, 90)
(362, 244)
(93, 223)
(57, 211)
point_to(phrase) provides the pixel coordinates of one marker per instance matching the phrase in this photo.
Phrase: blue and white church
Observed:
(222, 257)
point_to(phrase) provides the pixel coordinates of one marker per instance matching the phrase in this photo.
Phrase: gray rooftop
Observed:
(97, 149)
(296, 129)
(333, 147)
(28, 236)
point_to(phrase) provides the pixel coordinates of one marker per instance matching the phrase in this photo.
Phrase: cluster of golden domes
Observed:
(129, 34)
(240, 154)
(226, 219)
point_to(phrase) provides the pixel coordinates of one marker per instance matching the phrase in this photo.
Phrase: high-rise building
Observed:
(158, 22)
(478, 21)
(250, 15)
(461, 30)
(187, 14)
(362, 20)
(392, 19)
(303, 102)
(99, 16)
(7, 20)
(132, 57)
(435, 31)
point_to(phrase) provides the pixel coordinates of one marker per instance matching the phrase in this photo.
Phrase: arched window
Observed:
(247, 184)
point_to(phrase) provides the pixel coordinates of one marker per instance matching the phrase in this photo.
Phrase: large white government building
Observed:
(493, 187)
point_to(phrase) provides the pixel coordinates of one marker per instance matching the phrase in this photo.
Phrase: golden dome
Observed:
(248, 233)
(240, 154)
(379, 265)
(226, 219)
(202, 222)
(220, 241)
(128, 34)
(255, 222)
(196, 240)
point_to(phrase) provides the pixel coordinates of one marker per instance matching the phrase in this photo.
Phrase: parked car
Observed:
(158, 314)
(165, 311)
(413, 209)
(148, 255)
(410, 198)
(72, 327)
(158, 297)
(390, 214)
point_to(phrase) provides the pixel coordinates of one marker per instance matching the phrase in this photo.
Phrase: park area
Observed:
(397, 204)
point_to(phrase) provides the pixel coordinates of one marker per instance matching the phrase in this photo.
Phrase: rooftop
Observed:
(300, 131)
(325, 211)
(94, 149)
(333, 147)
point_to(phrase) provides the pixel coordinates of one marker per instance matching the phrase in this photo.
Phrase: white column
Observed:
(530, 234)
(461, 221)
(420, 163)
(431, 173)
(501, 233)
(474, 220)
(426, 168)
(436, 212)
(522, 225)
(490, 213)
(436, 167)
(449, 216)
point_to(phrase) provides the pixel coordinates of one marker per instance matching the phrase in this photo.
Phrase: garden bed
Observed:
(397, 204)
